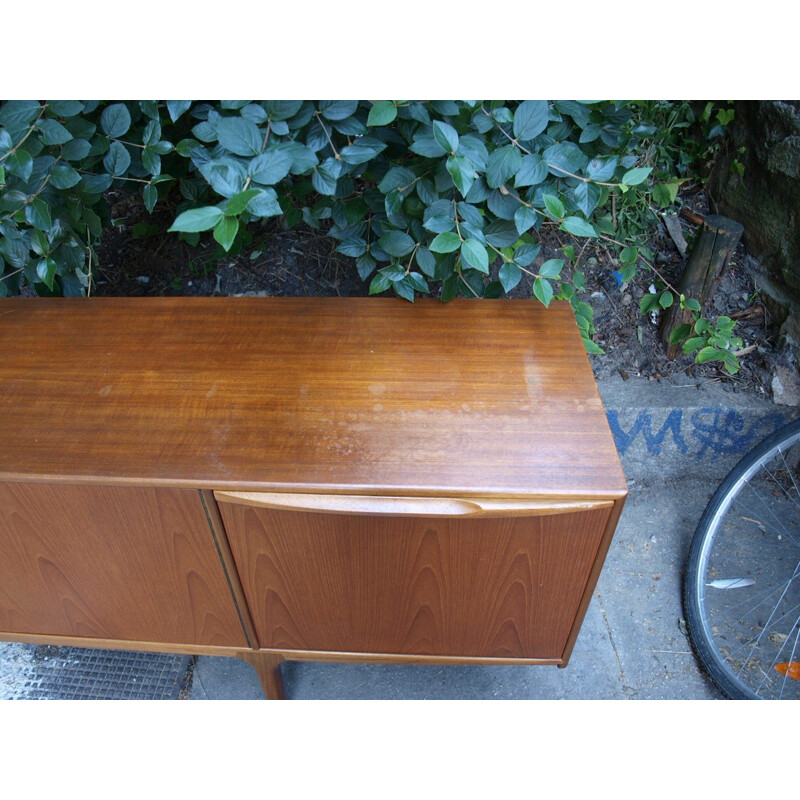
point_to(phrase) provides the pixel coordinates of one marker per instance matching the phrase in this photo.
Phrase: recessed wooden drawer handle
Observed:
(407, 506)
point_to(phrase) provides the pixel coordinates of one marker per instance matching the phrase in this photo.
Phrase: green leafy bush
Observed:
(424, 195)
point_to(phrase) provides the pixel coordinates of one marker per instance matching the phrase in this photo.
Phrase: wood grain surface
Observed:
(497, 588)
(337, 395)
(112, 563)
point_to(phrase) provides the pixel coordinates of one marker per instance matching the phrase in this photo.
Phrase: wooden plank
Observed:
(341, 395)
(496, 588)
(107, 563)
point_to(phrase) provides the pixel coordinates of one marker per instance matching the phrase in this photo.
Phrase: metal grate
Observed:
(72, 673)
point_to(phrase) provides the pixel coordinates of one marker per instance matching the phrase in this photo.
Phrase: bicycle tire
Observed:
(742, 580)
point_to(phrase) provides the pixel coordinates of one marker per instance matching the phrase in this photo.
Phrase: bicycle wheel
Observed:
(742, 585)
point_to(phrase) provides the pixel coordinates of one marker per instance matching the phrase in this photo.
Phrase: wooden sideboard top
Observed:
(348, 395)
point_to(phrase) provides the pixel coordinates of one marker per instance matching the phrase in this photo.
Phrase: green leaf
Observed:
(16, 115)
(117, 159)
(708, 354)
(666, 299)
(225, 232)
(270, 167)
(151, 133)
(425, 145)
(603, 168)
(53, 132)
(553, 205)
(394, 272)
(364, 149)
(382, 113)
(426, 261)
(238, 202)
(92, 221)
(446, 136)
(418, 282)
(115, 120)
(39, 243)
(591, 347)
(445, 243)
(693, 344)
(474, 255)
(404, 289)
(665, 193)
(239, 135)
(150, 197)
(475, 150)
(151, 161)
(396, 178)
(396, 243)
(62, 176)
(365, 265)
(551, 268)
(693, 304)
(450, 287)
(393, 204)
(46, 270)
(577, 227)
(197, 219)
(532, 171)
(633, 177)
(439, 217)
(335, 110)
(565, 157)
(177, 108)
(510, 275)
(501, 233)
(587, 196)
(649, 303)
(20, 164)
(462, 172)
(380, 283)
(524, 219)
(543, 291)
(75, 150)
(680, 333)
(530, 119)
(265, 204)
(6, 142)
(526, 254)
(503, 164)
(38, 215)
(323, 181)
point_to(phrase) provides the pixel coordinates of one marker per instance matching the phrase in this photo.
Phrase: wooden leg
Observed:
(268, 667)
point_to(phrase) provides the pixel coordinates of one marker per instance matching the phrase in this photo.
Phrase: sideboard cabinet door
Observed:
(501, 587)
(112, 563)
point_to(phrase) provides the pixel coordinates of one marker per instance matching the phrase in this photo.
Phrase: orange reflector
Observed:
(790, 669)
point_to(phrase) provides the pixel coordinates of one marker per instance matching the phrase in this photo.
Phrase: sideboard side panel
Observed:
(121, 563)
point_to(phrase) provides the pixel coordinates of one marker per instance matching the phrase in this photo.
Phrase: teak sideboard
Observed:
(324, 479)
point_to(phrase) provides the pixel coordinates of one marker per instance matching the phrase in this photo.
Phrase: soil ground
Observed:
(135, 259)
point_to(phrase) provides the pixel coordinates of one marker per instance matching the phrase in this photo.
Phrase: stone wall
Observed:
(766, 199)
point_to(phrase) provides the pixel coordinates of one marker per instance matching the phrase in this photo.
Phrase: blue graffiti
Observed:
(643, 425)
(717, 431)
(722, 430)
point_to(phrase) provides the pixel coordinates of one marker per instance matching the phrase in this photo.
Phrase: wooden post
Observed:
(711, 251)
